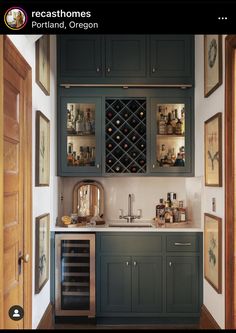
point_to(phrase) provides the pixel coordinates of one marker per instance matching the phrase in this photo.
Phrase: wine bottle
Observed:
(125, 130)
(110, 145)
(133, 168)
(141, 161)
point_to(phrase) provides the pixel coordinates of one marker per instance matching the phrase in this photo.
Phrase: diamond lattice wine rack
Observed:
(126, 135)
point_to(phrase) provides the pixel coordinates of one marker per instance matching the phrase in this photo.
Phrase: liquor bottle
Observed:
(160, 209)
(162, 125)
(168, 200)
(163, 154)
(93, 156)
(168, 216)
(88, 127)
(173, 119)
(183, 120)
(178, 127)
(173, 156)
(81, 155)
(179, 160)
(70, 155)
(169, 127)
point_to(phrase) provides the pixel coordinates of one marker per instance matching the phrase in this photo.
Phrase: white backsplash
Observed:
(147, 192)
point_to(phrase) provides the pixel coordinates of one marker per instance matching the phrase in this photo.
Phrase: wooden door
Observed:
(16, 185)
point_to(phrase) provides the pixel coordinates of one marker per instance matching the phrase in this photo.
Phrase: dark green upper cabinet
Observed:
(171, 58)
(126, 59)
(125, 56)
(79, 57)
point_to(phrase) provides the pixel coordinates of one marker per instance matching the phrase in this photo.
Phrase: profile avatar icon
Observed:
(15, 18)
(16, 312)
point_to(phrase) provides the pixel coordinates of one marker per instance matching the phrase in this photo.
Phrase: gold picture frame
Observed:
(43, 63)
(212, 251)
(42, 172)
(213, 150)
(212, 63)
(41, 251)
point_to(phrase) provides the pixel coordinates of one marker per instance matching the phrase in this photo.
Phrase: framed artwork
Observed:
(41, 251)
(212, 63)
(42, 172)
(212, 251)
(43, 63)
(213, 150)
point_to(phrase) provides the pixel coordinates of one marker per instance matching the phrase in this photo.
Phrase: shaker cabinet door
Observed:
(126, 56)
(171, 56)
(115, 284)
(80, 56)
(147, 284)
(182, 284)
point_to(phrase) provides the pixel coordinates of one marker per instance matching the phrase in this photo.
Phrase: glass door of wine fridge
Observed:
(75, 275)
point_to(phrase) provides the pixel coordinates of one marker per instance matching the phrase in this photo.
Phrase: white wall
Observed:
(147, 192)
(204, 109)
(44, 198)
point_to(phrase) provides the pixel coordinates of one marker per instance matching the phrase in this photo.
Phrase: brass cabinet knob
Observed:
(108, 69)
(98, 69)
(153, 69)
(25, 258)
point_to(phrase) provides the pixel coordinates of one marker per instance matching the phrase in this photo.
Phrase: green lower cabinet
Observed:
(115, 284)
(131, 284)
(182, 284)
(147, 284)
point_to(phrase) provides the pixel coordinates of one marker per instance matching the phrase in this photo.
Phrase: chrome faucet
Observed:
(130, 217)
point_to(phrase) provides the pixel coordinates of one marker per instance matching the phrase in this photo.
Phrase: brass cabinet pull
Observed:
(127, 263)
(108, 69)
(153, 69)
(135, 263)
(170, 263)
(183, 244)
(98, 166)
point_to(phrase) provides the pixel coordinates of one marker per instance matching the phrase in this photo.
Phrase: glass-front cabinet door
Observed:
(81, 135)
(171, 136)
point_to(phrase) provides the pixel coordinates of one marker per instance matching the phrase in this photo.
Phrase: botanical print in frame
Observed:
(212, 251)
(213, 150)
(41, 251)
(212, 63)
(43, 63)
(42, 150)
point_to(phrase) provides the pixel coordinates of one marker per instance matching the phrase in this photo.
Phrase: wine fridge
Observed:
(75, 275)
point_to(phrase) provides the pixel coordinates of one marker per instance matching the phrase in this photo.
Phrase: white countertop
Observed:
(170, 227)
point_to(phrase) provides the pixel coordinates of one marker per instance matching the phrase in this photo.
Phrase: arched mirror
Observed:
(88, 199)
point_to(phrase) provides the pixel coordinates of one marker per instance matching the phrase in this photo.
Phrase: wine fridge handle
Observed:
(98, 166)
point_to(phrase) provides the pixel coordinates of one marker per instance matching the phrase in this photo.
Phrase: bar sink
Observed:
(140, 224)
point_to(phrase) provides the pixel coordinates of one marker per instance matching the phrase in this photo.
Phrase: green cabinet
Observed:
(79, 136)
(79, 56)
(95, 59)
(126, 59)
(182, 284)
(171, 58)
(116, 284)
(131, 284)
(149, 275)
(125, 56)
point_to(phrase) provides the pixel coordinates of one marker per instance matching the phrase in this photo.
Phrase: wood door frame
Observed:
(230, 217)
(1, 181)
(10, 54)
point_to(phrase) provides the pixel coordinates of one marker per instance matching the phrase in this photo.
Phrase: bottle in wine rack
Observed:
(133, 168)
(110, 145)
(110, 113)
(125, 130)
(141, 114)
(133, 122)
(141, 161)
(125, 145)
(110, 130)
(110, 161)
(118, 168)
(141, 145)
